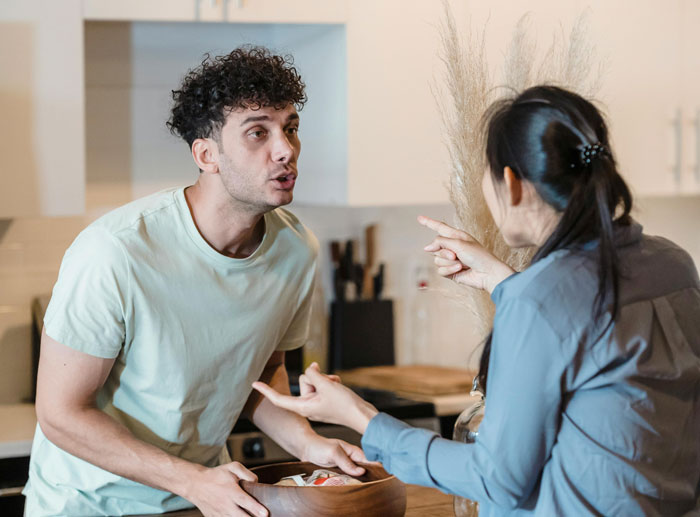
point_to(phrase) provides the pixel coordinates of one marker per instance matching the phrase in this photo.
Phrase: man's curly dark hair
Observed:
(248, 77)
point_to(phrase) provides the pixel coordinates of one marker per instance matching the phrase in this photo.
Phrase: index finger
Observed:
(443, 229)
(284, 401)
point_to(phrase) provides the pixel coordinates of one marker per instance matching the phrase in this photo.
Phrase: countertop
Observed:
(421, 502)
(446, 388)
(17, 429)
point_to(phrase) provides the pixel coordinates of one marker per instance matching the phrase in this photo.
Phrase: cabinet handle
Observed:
(678, 146)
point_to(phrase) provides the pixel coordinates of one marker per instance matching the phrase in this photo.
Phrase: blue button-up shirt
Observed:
(578, 423)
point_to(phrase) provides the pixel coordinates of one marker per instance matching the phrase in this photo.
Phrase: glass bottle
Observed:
(466, 430)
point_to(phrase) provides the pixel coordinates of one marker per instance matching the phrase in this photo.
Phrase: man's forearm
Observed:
(97, 438)
(288, 429)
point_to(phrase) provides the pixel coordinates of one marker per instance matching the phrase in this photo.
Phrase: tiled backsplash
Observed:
(31, 250)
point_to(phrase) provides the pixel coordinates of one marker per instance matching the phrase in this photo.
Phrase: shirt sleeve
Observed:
(87, 306)
(518, 431)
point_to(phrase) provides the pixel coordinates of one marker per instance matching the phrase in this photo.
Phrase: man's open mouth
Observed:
(286, 181)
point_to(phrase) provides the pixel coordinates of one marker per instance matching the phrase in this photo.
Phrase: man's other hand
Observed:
(216, 492)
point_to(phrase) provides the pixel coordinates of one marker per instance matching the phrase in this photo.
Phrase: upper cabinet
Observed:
(241, 11)
(648, 76)
(396, 152)
(643, 89)
(85, 89)
(690, 95)
(42, 136)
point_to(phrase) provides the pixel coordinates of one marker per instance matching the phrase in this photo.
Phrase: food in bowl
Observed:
(319, 477)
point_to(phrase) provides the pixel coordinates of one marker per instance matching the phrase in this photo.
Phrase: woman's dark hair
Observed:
(558, 141)
(248, 77)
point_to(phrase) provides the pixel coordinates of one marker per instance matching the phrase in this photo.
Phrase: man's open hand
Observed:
(216, 492)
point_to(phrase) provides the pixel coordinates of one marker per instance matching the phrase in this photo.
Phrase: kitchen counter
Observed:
(17, 425)
(421, 502)
(446, 388)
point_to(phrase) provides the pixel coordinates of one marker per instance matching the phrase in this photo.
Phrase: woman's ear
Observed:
(205, 153)
(514, 186)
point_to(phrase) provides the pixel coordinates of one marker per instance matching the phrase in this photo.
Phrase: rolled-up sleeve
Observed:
(519, 428)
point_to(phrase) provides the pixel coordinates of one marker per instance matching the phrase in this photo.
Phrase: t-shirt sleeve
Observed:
(87, 306)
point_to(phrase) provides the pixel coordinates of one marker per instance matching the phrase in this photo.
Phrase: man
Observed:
(167, 309)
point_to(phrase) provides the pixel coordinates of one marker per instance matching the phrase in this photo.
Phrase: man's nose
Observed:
(283, 150)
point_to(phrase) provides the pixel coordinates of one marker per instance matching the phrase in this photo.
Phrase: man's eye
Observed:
(292, 130)
(257, 134)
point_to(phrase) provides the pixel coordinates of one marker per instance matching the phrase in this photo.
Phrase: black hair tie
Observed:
(591, 152)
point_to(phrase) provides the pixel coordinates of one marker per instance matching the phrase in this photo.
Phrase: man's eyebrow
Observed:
(255, 119)
(259, 118)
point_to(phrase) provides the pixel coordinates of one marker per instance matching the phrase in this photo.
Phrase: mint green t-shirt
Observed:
(190, 329)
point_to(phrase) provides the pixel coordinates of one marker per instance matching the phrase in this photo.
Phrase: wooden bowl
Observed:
(380, 494)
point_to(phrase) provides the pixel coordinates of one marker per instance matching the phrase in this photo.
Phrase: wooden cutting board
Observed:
(420, 379)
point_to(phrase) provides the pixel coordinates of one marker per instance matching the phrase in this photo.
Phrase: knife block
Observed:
(361, 334)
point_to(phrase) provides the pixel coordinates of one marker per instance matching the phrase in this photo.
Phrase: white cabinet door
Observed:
(248, 11)
(690, 84)
(150, 10)
(42, 136)
(641, 89)
(284, 11)
(396, 139)
(395, 149)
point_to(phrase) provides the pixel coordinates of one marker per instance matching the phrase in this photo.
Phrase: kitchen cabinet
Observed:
(690, 95)
(642, 89)
(396, 140)
(395, 148)
(17, 426)
(42, 133)
(650, 69)
(238, 11)
(371, 132)
(396, 152)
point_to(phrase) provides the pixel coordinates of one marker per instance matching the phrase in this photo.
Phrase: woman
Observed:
(592, 371)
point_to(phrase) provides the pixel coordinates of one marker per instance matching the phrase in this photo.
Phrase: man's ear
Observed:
(205, 153)
(514, 186)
